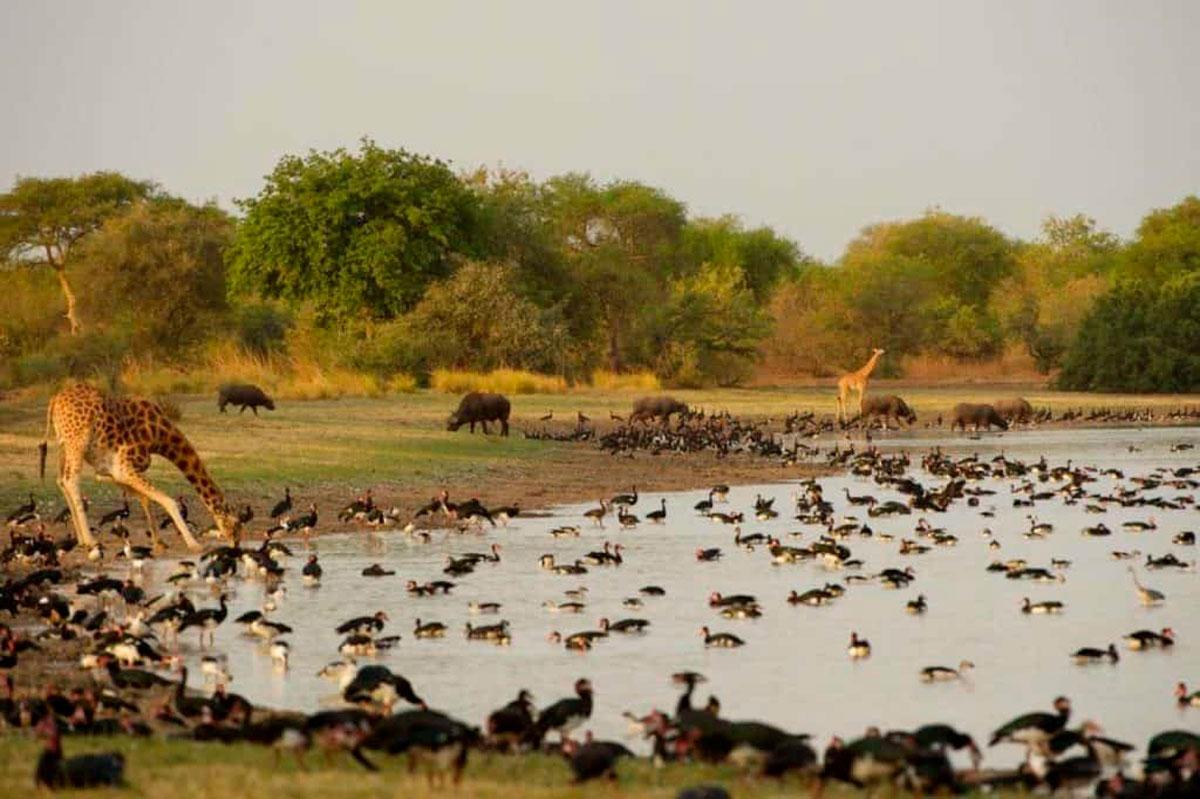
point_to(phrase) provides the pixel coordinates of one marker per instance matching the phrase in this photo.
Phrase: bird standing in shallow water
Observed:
(1148, 596)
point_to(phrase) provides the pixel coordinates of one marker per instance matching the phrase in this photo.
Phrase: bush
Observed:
(261, 328)
(1139, 337)
(502, 381)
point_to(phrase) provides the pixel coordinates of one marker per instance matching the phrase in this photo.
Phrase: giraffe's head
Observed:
(877, 351)
(228, 523)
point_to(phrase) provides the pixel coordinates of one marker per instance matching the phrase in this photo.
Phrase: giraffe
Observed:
(855, 382)
(117, 436)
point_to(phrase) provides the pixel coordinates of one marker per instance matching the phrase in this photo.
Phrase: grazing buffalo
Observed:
(889, 407)
(657, 408)
(482, 408)
(245, 396)
(1015, 409)
(975, 414)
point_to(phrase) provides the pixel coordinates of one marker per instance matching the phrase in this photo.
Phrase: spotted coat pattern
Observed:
(117, 436)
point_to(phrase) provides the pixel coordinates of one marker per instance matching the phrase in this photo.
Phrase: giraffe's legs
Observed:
(152, 527)
(70, 464)
(125, 475)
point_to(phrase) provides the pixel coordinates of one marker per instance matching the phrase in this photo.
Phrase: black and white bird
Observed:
(566, 714)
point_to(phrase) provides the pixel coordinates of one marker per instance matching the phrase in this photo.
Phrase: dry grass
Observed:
(283, 377)
(503, 381)
(1014, 365)
(604, 380)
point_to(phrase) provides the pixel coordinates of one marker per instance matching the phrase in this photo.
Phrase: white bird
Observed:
(279, 654)
(1148, 595)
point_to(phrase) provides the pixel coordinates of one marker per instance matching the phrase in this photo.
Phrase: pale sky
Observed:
(814, 118)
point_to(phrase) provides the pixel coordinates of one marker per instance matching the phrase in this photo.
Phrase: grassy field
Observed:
(399, 441)
(176, 769)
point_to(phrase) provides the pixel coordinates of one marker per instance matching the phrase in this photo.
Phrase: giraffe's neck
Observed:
(865, 372)
(180, 452)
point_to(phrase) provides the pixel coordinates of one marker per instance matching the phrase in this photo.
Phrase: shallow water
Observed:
(794, 671)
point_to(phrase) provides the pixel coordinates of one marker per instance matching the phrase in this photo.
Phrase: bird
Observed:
(280, 651)
(566, 714)
(311, 573)
(379, 685)
(431, 629)
(594, 759)
(1034, 729)
(82, 771)
(23, 511)
(720, 640)
(1184, 698)
(1148, 596)
(507, 726)
(626, 500)
(363, 625)
(916, 606)
(1090, 654)
(207, 619)
(1148, 639)
(945, 673)
(597, 514)
(284, 505)
(657, 516)
(1040, 607)
(859, 647)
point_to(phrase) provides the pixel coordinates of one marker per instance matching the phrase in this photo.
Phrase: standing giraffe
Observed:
(117, 436)
(855, 382)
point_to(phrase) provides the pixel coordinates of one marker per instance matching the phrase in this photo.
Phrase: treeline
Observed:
(389, 263)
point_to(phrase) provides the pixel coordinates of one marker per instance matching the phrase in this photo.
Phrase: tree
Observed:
(158, 271)
(763, 256)
(620, 244)
(1167, 242)
(1056, 280)
(477, 319)
(709, 329)
(42, 220)
(966, 256)
(358, 234)
(1140, 336)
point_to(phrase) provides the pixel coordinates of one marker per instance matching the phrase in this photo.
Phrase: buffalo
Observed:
(657, 408)
(1016, 409)
(889, 407)
(977, 415)
(482, 408)
(245, 396)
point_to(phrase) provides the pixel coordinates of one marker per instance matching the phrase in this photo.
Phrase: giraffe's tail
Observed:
(43, 446)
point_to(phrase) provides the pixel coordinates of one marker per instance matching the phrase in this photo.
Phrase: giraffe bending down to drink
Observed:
(855, 382)
(117, 436)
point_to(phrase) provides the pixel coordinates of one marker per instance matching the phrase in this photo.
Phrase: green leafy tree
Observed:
(42, 220)
(965, 255)
(620, 244)
(358, 234)
(477, 319)
(1167, 242)
(158, 271)
(1140, 336)
(763, 256)
(710, 328)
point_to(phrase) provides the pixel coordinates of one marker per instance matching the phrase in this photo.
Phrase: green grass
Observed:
(179, 769)
(400, 440)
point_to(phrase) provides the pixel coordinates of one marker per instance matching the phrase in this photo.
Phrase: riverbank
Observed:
(182, 769)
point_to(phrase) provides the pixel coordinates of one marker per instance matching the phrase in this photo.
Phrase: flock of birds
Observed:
(133, 647)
